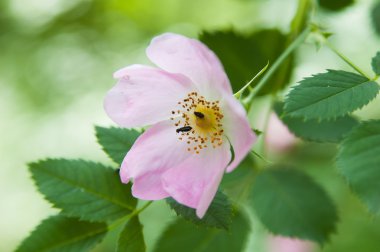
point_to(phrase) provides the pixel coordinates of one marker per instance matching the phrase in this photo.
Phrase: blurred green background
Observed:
(56, 63)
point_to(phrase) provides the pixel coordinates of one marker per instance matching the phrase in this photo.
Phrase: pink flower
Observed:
(278, 138)
(194, 118)
(285, 244)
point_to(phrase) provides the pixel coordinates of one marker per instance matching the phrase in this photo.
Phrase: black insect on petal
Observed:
(199, 114)
(183, 129)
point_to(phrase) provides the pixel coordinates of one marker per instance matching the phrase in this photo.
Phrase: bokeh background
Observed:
(56, 63)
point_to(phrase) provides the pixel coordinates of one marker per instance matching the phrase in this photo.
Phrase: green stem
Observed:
(299, 22)
(240, 92)
(260, 157)
(345, 59)
(301, 18)
(298, 41)
(265, 127)
(129, 216)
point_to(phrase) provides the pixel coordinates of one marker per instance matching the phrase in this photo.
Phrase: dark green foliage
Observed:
(131, 238)
(83, 189)
(243, 56)
(218, 215)
(375, 14)
(376, 63)
(318, 131)
(63, 234)
(237, 184)
(185, 237)
(359, 162)
(289, 203)
(335, 5)
(116, 142)
(329, 95)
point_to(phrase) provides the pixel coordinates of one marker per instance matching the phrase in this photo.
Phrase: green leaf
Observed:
(185, 237)
(116, 142)
(245, 55)
(218, 215)
(335, 5)
(83, 189)
(375, 16)
(289, 203)
(376, 63)
(318, 131)
(359, 162)
(131, 238)
(60, 233)
(330, 95)
(237, 184)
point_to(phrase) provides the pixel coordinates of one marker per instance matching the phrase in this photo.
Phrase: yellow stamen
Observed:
(204, 120)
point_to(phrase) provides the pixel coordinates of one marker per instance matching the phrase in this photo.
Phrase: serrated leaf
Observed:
(290, 203)
(359, 162)
(244, 55)
(185, 237)
(335, 5)
(332, 131)
(116, 142)
(88, 190)
(64, 234)
(218, 215)
(329, 95)
(376, 63)
(131, 238)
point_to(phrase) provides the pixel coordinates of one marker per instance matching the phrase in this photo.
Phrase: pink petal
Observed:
(195, 181)
(278, 137)
(210, 191)
(156, 150)
(237, 129)
(179, 54)
(145, 95)
(149, 186)
(285, 244)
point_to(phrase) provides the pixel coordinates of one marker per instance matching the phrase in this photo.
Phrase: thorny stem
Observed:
(240, 92)
(295, 38)
(345, 59)
(299, 22)
(260, 157)
(298, 41)
(129, 216)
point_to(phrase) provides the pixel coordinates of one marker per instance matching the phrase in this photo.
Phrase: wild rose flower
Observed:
(194, 119)
(286, 244)
(278, 138)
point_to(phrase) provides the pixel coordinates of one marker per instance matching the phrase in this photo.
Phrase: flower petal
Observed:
(145, 95)
(149, 186)
(278, 137)
(237, 129)
(286, 244)
(179, 54)
(195, 181)
(157, 149)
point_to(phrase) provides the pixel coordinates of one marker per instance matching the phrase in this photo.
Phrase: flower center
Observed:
(198, 122)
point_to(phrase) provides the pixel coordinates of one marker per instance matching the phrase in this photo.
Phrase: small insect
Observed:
(199, 114)
(184, 129)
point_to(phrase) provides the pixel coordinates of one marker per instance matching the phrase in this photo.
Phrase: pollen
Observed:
(198, 122)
